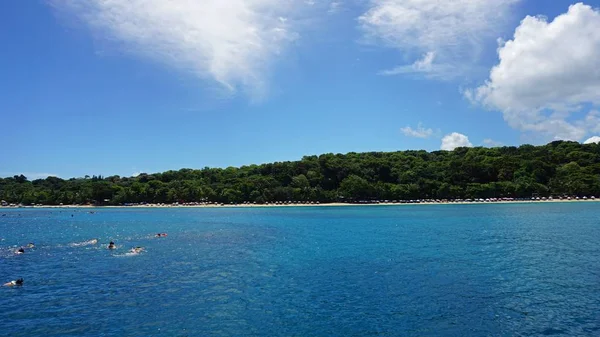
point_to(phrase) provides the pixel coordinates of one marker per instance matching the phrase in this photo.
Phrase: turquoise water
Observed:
(448, 270)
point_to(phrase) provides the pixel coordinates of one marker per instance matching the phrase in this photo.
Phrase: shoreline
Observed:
(308, 205)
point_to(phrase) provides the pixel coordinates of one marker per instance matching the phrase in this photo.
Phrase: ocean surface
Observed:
(440, 270)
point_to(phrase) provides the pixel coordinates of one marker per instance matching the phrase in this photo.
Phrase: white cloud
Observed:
(454, 140)
(424, 66)
(233, 42)
(591, 121)
(492, 143)
(450, 30)
(137, 173)
(419, 132)
(334, 7)
(547, 72)
(592, 140)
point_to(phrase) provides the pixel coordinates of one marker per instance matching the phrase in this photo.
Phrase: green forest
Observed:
(556, 169)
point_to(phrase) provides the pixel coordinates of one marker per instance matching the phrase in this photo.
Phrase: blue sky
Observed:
(127, 86)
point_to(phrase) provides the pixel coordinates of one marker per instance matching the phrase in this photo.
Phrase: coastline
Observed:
(306, 204)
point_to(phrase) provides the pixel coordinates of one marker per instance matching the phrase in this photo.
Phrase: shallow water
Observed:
(447, 270)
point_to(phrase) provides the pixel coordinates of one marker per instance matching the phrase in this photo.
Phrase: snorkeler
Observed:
(136, 250)
(18, 282)
(20, 251)
(111, 245)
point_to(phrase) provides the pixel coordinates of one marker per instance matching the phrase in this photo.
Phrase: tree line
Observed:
(556, 169)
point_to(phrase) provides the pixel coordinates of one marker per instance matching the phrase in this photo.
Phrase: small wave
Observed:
(4, 253)
(134, 251)
(128, 254)
(10, 251)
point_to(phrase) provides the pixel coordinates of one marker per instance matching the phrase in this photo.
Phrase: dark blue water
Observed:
(448, 270)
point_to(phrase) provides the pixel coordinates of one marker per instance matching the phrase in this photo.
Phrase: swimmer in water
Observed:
(18, 282)
(30, 245)
(136, 250)
(159, 235)
(20, 251)
(111, 245)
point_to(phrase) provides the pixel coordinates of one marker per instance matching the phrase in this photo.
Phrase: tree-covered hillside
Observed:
(558, 168)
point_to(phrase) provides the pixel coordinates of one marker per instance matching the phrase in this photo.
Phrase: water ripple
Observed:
(485, 270)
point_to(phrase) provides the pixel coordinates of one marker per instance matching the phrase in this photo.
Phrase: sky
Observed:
(119, 87)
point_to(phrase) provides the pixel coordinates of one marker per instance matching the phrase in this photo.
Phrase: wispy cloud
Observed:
(334, 7)
(425, 67)
(492, 143)
(450, 31)
(419, 132)
(233, 42)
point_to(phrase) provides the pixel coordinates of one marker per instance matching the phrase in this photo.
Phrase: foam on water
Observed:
(84, 243)
(128, 254)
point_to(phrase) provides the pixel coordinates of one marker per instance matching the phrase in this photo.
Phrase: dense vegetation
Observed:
(558, 168)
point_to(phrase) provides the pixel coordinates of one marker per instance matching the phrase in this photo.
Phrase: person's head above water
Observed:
(21, 250)
(18, 282)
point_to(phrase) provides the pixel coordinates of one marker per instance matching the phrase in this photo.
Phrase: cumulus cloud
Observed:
(546, 73)
(450, 30)
(592, 140)
(454, 140)
(232, 42)
(419, 132)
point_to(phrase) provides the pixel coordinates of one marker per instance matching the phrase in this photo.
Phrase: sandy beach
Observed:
(300, 204)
